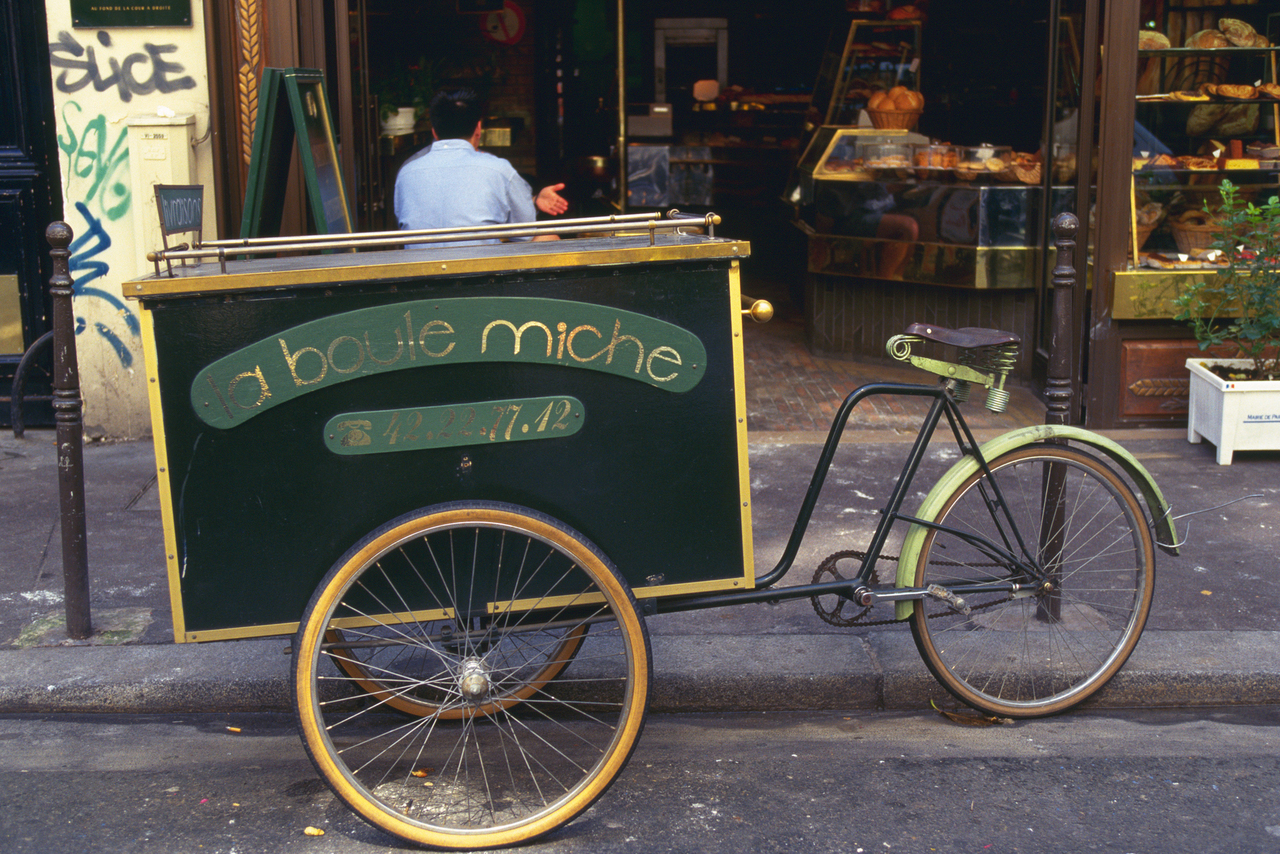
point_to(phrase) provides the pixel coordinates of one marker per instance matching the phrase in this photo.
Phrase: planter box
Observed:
(400, 122)
(1234, 416)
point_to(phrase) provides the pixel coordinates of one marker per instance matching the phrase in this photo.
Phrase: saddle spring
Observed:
(988, 366)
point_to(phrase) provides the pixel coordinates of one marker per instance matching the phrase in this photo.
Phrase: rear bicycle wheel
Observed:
(1084, 575)
(460, 613)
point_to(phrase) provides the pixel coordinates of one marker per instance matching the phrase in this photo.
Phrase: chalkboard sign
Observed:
(181, 209)
(292, 103)
(319, 151)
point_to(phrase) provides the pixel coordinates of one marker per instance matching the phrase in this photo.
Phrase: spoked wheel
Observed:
(1085, 574)
(465, 615)
(531, 660)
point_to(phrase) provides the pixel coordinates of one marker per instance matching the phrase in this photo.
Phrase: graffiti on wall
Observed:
(138, 73)
(97, 177)
(97, 170)
(85, 266)
(100, 165)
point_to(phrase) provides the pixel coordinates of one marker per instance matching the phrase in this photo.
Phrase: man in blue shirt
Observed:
(452, 184)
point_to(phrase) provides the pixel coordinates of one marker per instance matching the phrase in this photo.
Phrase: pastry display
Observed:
(934, 160)
(1266, 153)
(1234, 90)
(1197, 163)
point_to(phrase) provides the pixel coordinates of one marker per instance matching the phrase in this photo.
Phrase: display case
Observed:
(870, 55)
(1186, 135)
(893, 205)
(1214, 115)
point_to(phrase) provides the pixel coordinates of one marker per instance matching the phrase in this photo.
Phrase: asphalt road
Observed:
(1139, 781)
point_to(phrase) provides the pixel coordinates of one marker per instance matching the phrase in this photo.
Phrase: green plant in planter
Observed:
(410, 85)
(1240, 306)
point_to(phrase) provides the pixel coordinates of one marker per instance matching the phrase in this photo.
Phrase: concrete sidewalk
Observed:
(1213, 637)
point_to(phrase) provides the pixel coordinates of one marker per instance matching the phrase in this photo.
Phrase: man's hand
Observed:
(549, 200)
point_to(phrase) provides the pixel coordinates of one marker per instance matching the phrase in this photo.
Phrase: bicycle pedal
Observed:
(941, 593)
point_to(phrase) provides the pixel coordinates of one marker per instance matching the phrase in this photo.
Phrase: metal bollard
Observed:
(1059, 385)
(68, 414)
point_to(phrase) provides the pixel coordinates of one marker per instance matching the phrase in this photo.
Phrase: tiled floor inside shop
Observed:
(789, 388)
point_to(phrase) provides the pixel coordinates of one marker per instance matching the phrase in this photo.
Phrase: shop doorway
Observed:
(29, 201)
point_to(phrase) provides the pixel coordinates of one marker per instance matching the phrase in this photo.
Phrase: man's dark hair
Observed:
(455, 112)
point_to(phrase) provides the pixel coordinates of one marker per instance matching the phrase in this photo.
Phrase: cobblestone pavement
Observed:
(788, 388)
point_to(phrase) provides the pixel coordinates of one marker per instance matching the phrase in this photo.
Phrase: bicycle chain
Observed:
(832, 617)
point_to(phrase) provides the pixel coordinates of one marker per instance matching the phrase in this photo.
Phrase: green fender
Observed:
(1166, 537)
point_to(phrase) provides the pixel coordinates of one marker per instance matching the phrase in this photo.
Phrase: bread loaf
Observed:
(1151, 40)
(1220, 120)
(1208, 39)
(1239, 33)
(1240, 120)
(905, 13)
(1204, 118)
(898, 98)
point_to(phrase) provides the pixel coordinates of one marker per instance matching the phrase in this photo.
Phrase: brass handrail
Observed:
(221, 249)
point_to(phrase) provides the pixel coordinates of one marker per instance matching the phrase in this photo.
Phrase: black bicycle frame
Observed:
(943, 404)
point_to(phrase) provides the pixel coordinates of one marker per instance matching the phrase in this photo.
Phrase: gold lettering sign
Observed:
(393, 337)
(455, 425)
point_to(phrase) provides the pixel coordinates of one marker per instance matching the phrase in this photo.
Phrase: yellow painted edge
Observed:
(713, 586)
(276, 629)
(151, 361)
(240, 632)
(269, 279)
(740, 414)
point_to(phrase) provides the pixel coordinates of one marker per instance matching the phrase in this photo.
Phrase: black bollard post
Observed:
(1057, 392)
(1059, 385)
(68, 415)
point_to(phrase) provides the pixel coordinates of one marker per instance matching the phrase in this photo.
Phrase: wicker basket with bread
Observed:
(1193, 229)
(898, 108)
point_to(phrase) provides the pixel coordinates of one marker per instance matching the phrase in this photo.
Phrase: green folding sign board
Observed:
(292, 104)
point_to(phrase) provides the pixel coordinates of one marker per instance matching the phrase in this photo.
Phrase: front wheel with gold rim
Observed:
(462, 614)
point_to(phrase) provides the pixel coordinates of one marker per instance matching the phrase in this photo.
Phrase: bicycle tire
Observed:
(498, 773)
(1084, 595)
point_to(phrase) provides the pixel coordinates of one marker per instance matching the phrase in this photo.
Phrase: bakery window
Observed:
(1208, 108)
